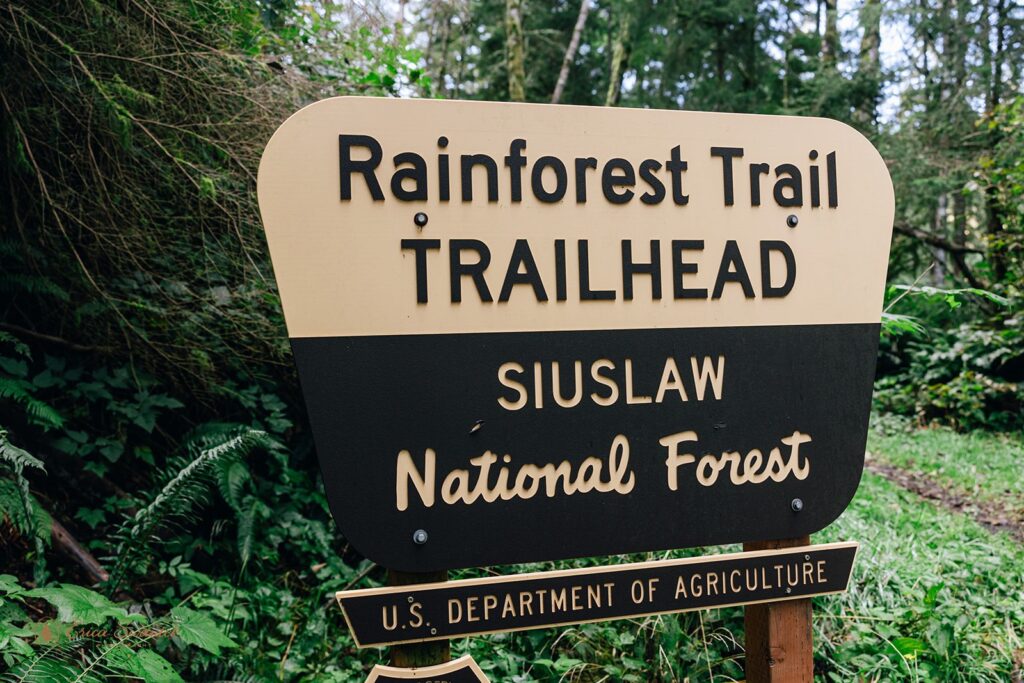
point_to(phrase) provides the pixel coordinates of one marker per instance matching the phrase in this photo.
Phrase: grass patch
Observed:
(934, 597)
(982, 465)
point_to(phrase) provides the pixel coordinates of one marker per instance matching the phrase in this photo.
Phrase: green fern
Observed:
(26, 515)
(125, 656)
(12, 283)
(183, 492)
(39, 412)
(20, 347)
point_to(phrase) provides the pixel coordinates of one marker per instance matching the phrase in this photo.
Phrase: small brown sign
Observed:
(461, 670)
(454, 609)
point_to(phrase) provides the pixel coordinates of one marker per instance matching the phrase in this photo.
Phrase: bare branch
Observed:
(935, 240)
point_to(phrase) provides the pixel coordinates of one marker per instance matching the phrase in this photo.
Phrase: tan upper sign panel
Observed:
(545, 218)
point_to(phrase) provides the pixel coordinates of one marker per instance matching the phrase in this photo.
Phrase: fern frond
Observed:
(184, 491)
(232, 476)
(17, 458)
(20, 347)
(79, 659)
(35, 523)
(247, 531)
(33, 284)
(12, 508)
(40, 412)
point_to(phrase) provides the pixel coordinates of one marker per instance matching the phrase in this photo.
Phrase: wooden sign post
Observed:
(778, 635)
(425, 653)
(531, 332)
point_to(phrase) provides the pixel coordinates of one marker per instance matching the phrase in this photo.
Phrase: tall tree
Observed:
(621, 47)
(570, 52)
(830, 39)
(515, 50)
(869, 65)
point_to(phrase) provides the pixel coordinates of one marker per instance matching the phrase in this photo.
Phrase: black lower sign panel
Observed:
(525, 447)
(461, 670)
(386, 616)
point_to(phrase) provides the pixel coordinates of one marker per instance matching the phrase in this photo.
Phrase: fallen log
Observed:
(70, 546)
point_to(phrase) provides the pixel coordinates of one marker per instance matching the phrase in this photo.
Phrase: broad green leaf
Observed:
(9, 584)
(78, 604)
(909, 647)
(199, 629)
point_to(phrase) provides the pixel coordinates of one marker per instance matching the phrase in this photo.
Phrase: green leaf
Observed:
(13, 367)
(144, 664)
(156, 668)
(909, 647)
(123, 658)
(91, 517)
(9, 584)
(232, 480)
(79, 605)
(199, 629)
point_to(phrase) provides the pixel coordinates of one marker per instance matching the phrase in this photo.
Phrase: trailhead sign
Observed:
(533, 332)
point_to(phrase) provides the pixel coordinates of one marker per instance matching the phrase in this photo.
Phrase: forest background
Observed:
(160, 509)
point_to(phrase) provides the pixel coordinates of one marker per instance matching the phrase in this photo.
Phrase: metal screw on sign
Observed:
(420, 219)
(797, 505)
(419, 537)
(791, 221)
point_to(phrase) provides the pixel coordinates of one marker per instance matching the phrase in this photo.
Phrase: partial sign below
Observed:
(454, 609)
(461, 670)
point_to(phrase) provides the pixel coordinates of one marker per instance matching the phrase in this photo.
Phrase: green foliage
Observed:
(952, 376)
(935, 597)
(183, 492)
(17, 504)
(92, 638)
(979, 465)
(78, 604)
(143, 357)
(199, 629)
(961, 374)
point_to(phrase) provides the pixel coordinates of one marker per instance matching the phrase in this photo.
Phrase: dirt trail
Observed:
(989, 514)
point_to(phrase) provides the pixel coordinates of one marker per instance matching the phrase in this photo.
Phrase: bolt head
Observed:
(797, 505)
(419, 537)
(792, 220)
(420, 219)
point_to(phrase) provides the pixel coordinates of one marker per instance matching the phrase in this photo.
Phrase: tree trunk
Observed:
(996, 85)
(830, 40)
(993, 218)
(570, 53)
(939, 271)
(621, 46)
(869, 65)
(515, 50)
(400, 21)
